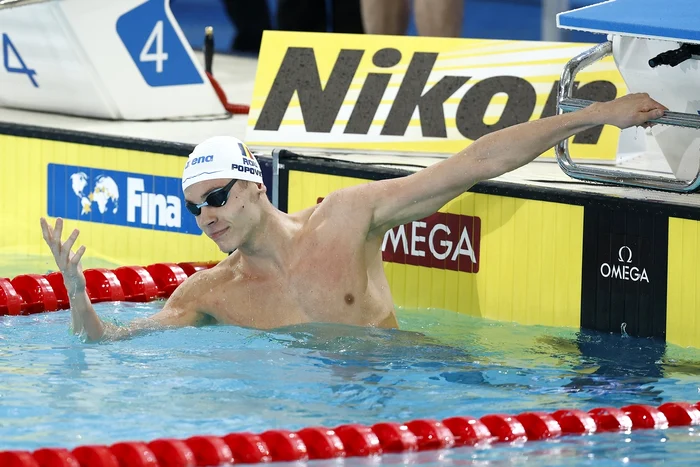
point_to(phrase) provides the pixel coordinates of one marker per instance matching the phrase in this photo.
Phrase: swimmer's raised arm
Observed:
(398, 201)
(83, 315)
(178, 311)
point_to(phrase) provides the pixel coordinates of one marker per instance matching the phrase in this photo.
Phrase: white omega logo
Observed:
(620, 253)
(623, 271)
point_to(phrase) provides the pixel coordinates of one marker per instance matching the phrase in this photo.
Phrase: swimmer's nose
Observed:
(207, 216)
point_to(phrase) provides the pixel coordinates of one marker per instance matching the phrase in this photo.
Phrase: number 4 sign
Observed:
(11, 55)
(159, 56)
(155, 47)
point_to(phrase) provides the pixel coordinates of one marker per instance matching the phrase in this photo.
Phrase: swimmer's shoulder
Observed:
(339, 209)
(327, 206)
(222, 271)
(226, 266)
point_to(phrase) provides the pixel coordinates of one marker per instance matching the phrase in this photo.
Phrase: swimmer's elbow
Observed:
(112, 332)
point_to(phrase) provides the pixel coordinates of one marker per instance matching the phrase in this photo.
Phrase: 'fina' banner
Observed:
(415, 94)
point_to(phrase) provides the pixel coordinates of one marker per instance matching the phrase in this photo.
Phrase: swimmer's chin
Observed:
(226, 245)
(228, 249)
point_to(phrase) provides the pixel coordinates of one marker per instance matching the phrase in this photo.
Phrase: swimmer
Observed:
(323, 264)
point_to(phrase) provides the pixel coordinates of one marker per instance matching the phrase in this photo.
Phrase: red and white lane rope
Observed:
(34, 293)
(355, 440)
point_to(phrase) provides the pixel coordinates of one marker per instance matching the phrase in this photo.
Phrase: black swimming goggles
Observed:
(215, 199)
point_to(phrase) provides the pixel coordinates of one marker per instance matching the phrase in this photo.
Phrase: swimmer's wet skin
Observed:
(323, 264)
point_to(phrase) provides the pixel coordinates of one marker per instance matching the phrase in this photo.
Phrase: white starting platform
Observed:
(656, 47)
(603, 230)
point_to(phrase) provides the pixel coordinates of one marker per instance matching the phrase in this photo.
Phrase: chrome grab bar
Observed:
(669, 118)
(567, 103)
(16, 3)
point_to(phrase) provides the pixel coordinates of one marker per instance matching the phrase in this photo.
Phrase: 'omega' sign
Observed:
(623, 269)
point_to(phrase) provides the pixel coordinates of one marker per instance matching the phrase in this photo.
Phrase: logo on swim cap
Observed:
(221, 157)
(199, 160)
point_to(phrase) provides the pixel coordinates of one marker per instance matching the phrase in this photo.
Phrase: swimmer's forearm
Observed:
(505, 150)
(84, 317)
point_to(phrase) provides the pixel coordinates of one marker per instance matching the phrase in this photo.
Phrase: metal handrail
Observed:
(17, 3)
(567, 103)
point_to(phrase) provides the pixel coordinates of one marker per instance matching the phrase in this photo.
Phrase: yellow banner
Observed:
(415, 94)
(683, 302)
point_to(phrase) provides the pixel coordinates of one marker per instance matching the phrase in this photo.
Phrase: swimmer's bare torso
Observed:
(334, 274)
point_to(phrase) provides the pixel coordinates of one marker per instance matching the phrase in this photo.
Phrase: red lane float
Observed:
(680, 413)
(134, 454)
(431, 434)
(10, 300)
(321, 443)
(468, 431)
(95, 456)
(103, 286)
(359, 440)
(137, 283)
(167, 277)
(173, 453)
(504, 427)
(284, 446)
(611, 419)
(49, 457)
(36, 292)
(248, 448)
(575, 421)
(17, 459)
(646, 416)
(59, 288)
(210, 450)
(395, 437)
(539, 425)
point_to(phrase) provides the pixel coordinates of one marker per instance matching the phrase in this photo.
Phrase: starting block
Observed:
(123, 60)
(656, 48)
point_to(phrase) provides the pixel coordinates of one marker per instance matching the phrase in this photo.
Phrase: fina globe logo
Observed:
(118, 198)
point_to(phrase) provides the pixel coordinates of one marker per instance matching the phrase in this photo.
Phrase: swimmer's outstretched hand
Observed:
(67, 261)
(628, 111)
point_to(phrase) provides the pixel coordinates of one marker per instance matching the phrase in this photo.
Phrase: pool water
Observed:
(56, 390)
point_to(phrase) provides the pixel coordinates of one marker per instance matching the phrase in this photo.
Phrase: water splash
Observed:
(623, 330)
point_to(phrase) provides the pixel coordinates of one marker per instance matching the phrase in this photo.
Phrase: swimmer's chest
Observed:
(323, 283)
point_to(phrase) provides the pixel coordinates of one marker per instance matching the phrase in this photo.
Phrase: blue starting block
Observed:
(671, 20)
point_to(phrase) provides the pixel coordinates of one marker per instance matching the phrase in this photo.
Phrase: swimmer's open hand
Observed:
(67, 261)
(630, 110)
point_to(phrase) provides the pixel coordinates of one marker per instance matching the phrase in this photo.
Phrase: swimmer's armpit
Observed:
(206, 320)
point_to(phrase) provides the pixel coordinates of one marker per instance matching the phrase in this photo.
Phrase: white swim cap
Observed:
(221, 157)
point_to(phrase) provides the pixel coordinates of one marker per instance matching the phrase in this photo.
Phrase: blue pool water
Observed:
(58, 391)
